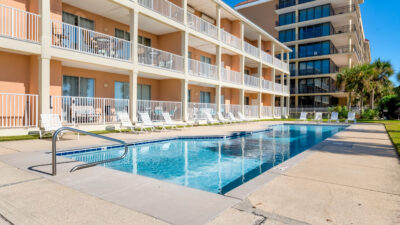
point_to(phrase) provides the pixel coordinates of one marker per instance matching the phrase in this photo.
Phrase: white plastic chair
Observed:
(232, 117)
(50, 123)
(126, 122)
(222, 119)
(318, 116)
(303, 116)
(146, 122)
(351, 116)
(168, 121)
(242, 117)
(210, 119)
(334, 117)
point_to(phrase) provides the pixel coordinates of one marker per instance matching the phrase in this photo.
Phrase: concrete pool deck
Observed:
(350, 178)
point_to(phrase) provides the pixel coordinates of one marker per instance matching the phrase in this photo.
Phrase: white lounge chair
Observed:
(50, 123)
(351, 116)
(146, 122)
(222, 119)
(126, 122)
(168, 121)
(210, 119)
(242, 117)
(303, 116)
(334, 117)
(232, 117)
(318, 117)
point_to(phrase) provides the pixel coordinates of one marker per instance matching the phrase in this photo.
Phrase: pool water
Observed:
(214, 165)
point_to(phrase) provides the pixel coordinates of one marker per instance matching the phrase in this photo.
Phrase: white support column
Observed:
(273, 78)
(185, 52)
(260, 74)
(260, 47)
(44, 58)
(273, 105)
(133, 77)
(184, 7)
(218, 22)
(273, 53)
(242, 68)
(259, 102)
(282, 104)
(242, 34)
(241, 101)
(218, 97)
(219, 62)
(185, 99)
(288, 107)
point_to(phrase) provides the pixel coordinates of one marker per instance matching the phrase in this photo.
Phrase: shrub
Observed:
(370, 114)
(342, 110)
(388, 106)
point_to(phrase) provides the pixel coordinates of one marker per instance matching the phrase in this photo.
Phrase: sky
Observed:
(381, 21)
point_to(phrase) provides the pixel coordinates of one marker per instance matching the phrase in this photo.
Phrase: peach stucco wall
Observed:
(196, 54)
(232, 27)
(14, 73)
(266, 100)
(195, 92)
(231, 96)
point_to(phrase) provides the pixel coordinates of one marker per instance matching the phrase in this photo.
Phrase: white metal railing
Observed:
(202, 69)
(252, 50)
(266, 112)
(234, 109)
(285, 66)
(88, 110)
(161, 59)
(197, 111)
(252, 81)
(278, 63)
(87, 41)
(286, 89)
(19, 24)
(18, 110)
(267, 85)
(251, 111)
(278, 112)
(284, 111)
(278, 88)
(155, 109)
(230, 39)
(267, 58)
(165, 8)
(198, 24)
(231, 76)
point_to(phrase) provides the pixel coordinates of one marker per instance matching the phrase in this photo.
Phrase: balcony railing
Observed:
(88, 110)
(90, 42)
(252, 50)
(15, 23)
(18, 110)
(252, 81)
(230, 39)
(201, 69)
(286, 89)
(266, 112)
(155, 109)
(165, 8)
(251, 111)
(267, 58)
(267, 85)
(160, 59)
(197, 111)
(231, 76)
(234, 109)
(277, 112)
(202, 26)
(278, 87)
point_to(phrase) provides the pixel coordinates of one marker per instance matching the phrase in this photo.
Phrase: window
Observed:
(286, 3)
(246, 100)
(292, 69)
(314, 13)
(315, 31)
(324, 66)
(287, 35)
(205, 97)
(189, 96)
(77, 21)
(144, 41)
(122, 34)
(247, 72)
(78, 86)
(205, 59)
(121, 90)
(315, 49)
(287, 18)
(144, 92)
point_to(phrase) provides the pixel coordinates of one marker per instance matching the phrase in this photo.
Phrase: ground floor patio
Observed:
(350, 178)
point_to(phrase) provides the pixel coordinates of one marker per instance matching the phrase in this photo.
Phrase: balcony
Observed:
(286, 89)
(251, 50)
(231, 76)
(266, 112)
(202, 26)
(278, 88)
(18, 24)
(281, 64)
(252, 80)
(230, 39)
(159, 59)
(201, 69)
(267, 85)
(251, 111)
(155, 109)
(18, 110)
(78, 39)
(277, 112)
(165, 8)
(267, 58)
(198, 111)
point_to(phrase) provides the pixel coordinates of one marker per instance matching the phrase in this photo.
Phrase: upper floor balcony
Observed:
(200, 25)
(251, 50)
(165, 8)
(202, 69)
(160, 59)
(252, 80)
(267, 85)
(18, 24)
(231, 76)
(230, 39)
(288, 3)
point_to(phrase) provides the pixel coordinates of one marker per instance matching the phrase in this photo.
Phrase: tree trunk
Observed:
(362, 102)
(373, 99)
(349, 101)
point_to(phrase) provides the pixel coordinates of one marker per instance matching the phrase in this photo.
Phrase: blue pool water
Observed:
(214, 165)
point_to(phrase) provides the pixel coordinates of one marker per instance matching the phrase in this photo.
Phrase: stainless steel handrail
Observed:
(78, 167)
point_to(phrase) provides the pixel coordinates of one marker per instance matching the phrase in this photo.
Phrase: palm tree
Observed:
(361, 79)
(378, 78)
(346, 78)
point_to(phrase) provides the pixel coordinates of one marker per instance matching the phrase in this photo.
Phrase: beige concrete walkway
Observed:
(351, 178)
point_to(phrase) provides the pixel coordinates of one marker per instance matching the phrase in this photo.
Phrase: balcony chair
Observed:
(51, 123)
(242, 117)
(222, 119)
(318, 117)
(147, 123)
(351, 116)
(123, 117)
(303, 116)
(232, 117)
(168, 121)
(334, 117)
(210, 119)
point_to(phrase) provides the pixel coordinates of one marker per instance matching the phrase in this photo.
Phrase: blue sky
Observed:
(381, 20)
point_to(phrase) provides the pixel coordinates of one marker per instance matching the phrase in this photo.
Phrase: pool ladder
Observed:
(86, 165)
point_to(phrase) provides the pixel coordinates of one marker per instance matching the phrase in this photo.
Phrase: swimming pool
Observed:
(216, 165)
